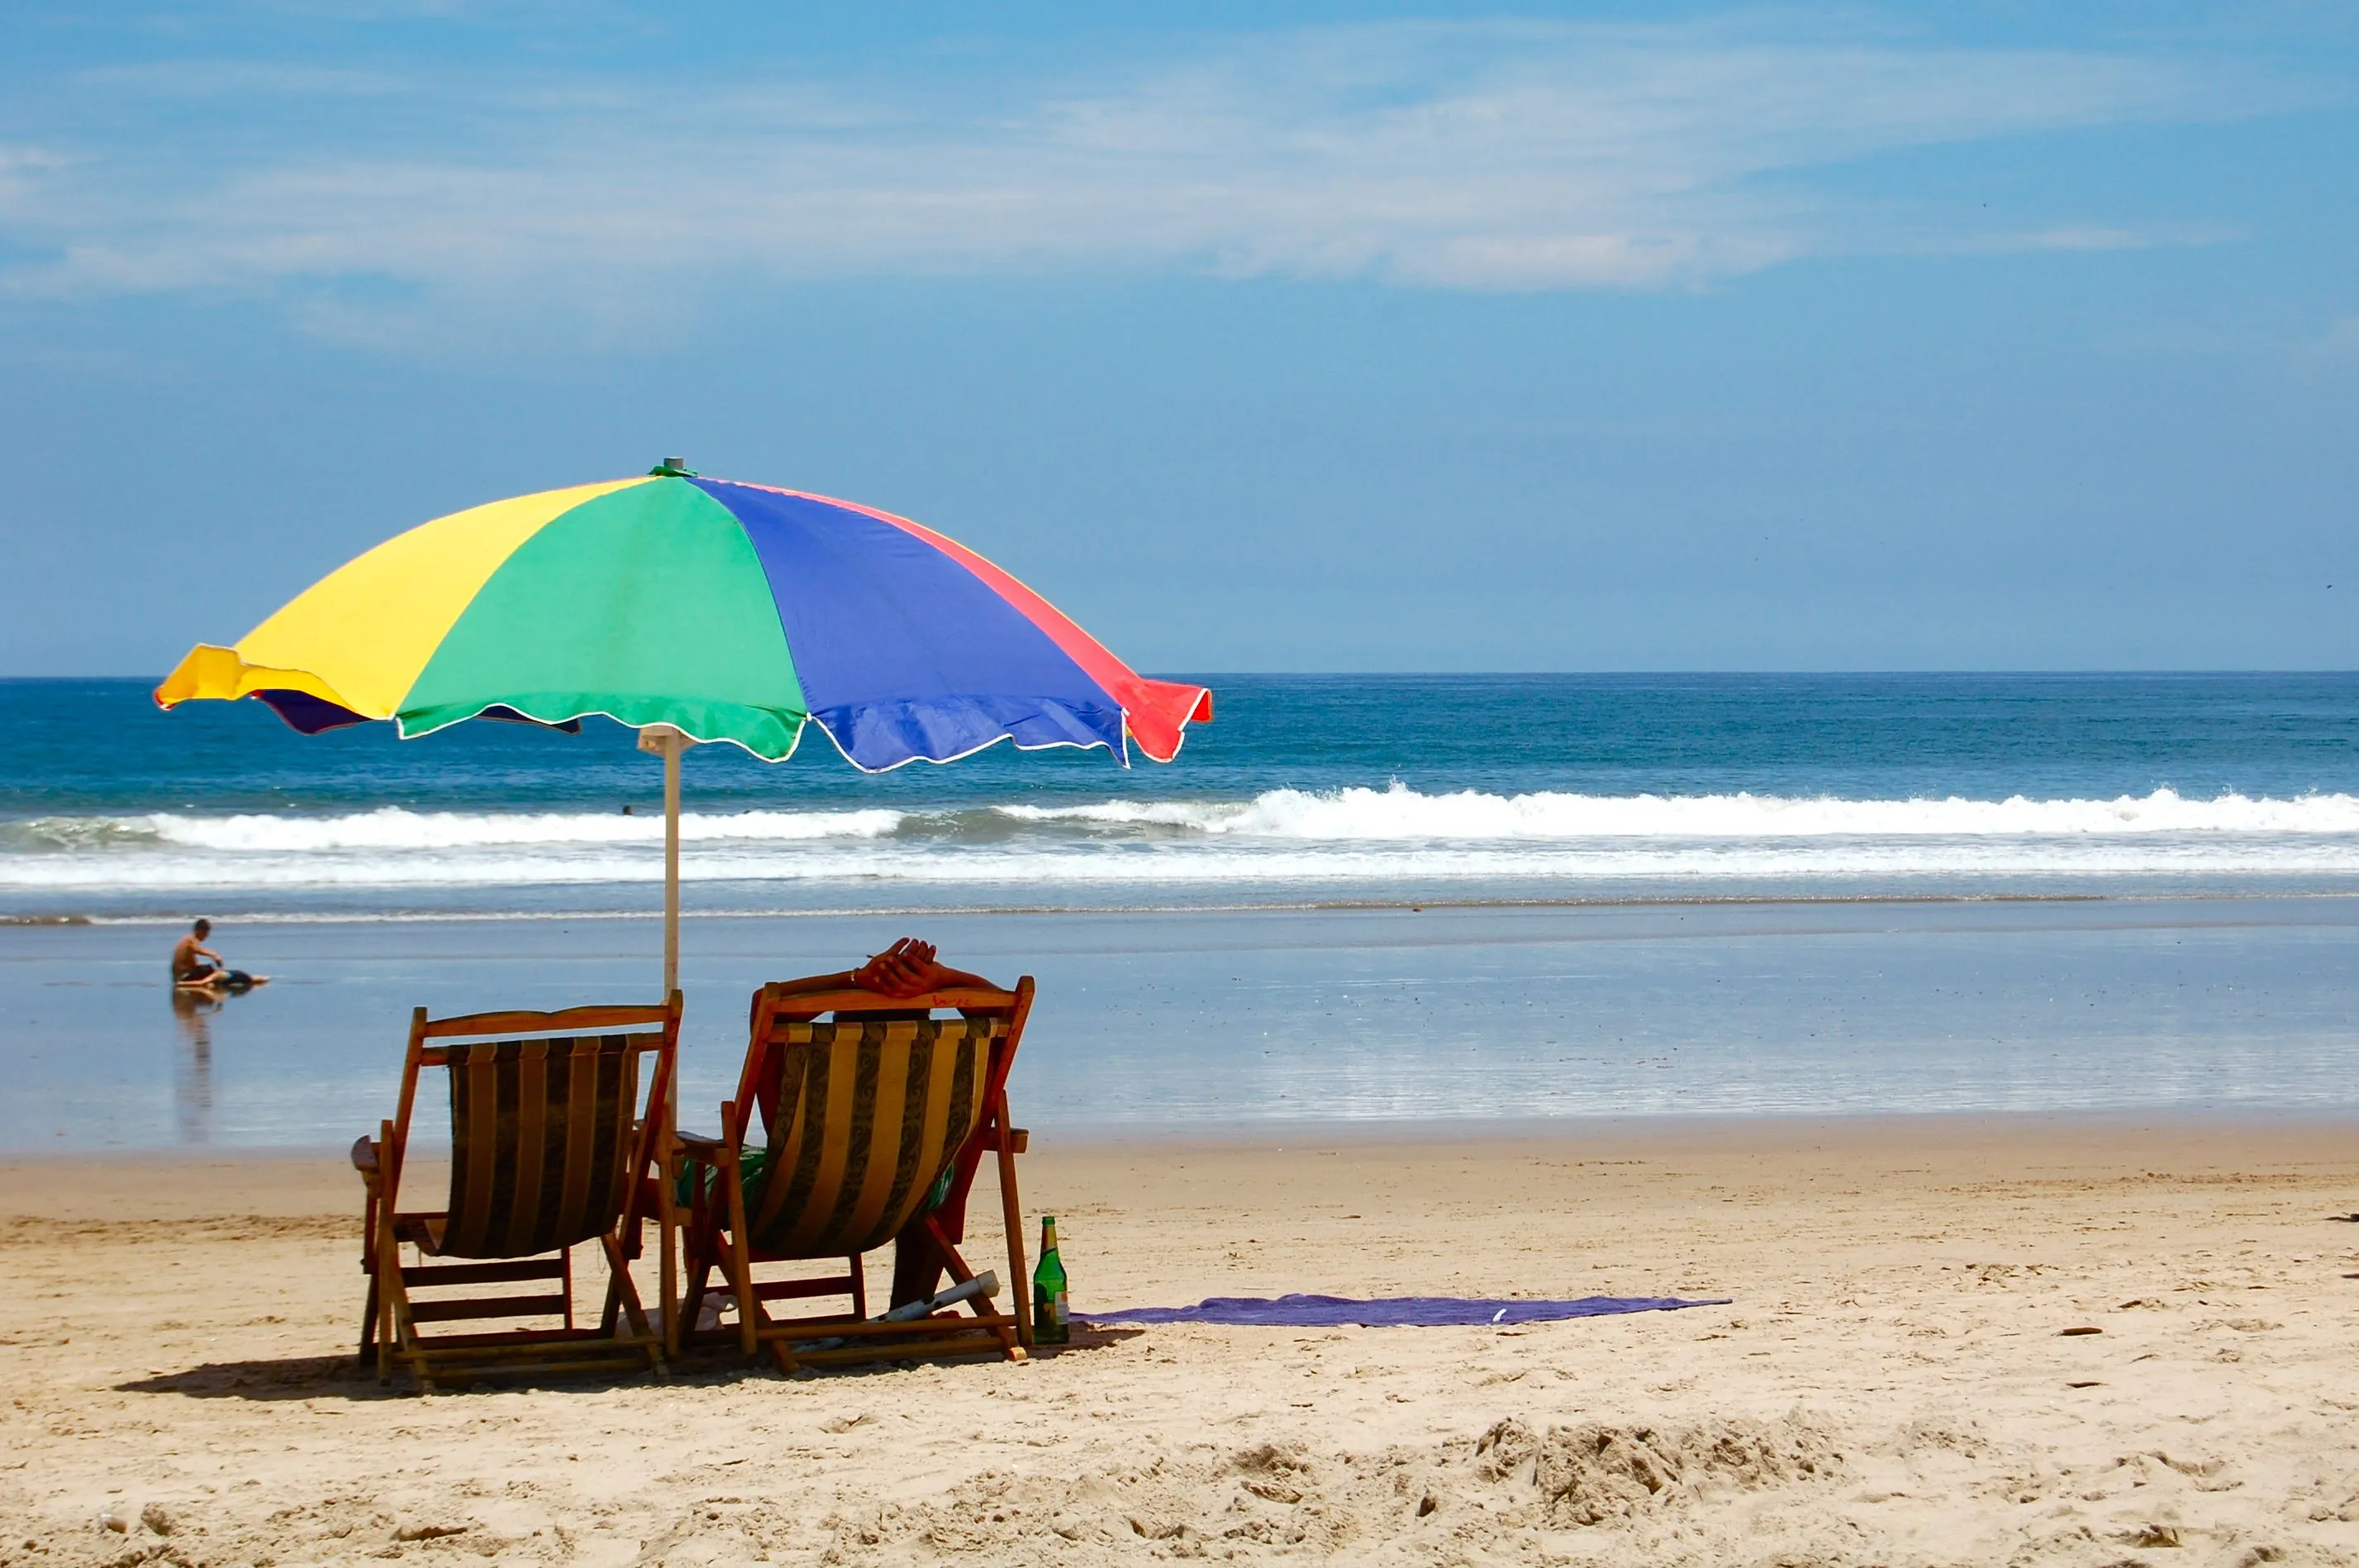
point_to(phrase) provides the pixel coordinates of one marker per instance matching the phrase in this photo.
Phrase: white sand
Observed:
(1892, 1384)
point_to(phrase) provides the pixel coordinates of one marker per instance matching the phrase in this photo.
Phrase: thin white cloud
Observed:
(1486, 158)
(240, 78)
(21, 164)
(2079, 237)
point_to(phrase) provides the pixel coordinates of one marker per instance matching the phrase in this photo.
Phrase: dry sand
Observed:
(1892, 1384)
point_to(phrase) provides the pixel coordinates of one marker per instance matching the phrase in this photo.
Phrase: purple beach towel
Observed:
(1389, 1311)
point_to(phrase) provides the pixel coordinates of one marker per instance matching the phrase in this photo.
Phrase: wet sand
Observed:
(1169, 1021)
(1894, 1382)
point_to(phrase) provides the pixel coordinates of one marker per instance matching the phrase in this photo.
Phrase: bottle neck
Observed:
(1048, 1236)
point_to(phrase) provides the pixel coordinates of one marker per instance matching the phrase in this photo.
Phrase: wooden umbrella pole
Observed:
(671, 864)
(669, 742)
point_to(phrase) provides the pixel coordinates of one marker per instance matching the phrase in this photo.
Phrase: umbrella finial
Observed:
(674, 468)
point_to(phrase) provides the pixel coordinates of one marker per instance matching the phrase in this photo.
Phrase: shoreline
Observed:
(38, 1187)
(2209, 893)
(2213, 1131)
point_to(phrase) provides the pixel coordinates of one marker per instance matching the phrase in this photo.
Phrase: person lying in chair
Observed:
(908, 969)
(840, 1140)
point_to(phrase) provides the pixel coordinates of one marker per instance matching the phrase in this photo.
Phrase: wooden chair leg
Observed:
(959, 1271)
(624, 1291)
(696, 1280)
(621, 1292)
(610, 1308)
(701, 1251)
(741, 1258)
(391, 1319)
(667, 1242)
(373, 1230)
(1011, 1212)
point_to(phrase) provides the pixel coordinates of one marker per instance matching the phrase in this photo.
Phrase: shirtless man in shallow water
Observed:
(196, 967)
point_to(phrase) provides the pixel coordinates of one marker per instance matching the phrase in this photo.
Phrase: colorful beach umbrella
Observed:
(695, 610)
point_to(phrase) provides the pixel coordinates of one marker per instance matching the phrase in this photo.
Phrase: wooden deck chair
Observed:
(550, 1149)
(875, 1113)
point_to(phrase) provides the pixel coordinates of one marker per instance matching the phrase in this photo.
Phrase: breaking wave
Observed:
(1352, 835)
(1400, 814)
(392, 828)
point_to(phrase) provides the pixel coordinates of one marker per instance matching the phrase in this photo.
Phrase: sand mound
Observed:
(1466, 1499)
(1592, 1473)
(1727, 1492)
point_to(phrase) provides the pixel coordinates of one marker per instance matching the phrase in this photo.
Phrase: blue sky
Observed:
(1269, 337)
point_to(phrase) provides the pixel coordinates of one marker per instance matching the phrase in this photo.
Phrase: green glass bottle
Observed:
(1049, 1325)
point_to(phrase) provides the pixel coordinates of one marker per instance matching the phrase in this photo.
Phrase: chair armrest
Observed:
(1020, 1138)
(364, 1156)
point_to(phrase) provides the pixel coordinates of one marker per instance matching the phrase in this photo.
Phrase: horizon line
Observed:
(1793, 671)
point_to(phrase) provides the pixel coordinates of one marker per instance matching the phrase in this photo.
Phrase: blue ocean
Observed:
(1354, 901)
(1320, 789)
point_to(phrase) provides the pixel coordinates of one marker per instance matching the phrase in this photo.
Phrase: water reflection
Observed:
(192, 1067)
(1198, 1020)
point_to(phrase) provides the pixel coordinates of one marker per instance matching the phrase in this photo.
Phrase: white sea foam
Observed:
(394, 829)
(1363, 836)
(1400, 814)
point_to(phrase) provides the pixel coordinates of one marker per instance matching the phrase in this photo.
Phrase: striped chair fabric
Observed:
(541, 1140)
(871, 1114)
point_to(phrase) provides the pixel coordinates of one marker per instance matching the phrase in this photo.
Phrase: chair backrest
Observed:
(872, 1118)
(547, 1135)
(871, 1114)
(540, 1142)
